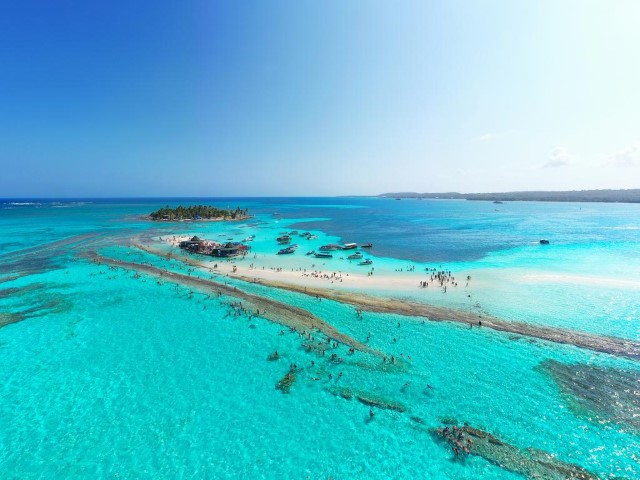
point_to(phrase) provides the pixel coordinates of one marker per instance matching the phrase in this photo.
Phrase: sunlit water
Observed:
(107, 375)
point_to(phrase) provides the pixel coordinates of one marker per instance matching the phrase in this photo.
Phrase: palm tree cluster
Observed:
(195, 212)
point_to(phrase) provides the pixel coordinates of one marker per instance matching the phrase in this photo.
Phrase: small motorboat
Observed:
(366, 262)
(331, 246)
(367, 245)
(355, 256)
(288, 250)
(323, 255)
(544, 242)
(312, 252)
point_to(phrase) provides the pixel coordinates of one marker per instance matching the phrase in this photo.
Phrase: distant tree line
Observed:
(196, 212)
(623, 196)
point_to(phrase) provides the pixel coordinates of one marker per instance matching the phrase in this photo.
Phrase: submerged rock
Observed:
(57, 304)
(367, 398)
(531, 463)
(273, 356)
(375, 401)
(342, 392)
(285, 383)
(603, 395)
(19, 291)
(9, 318)
(449, 420)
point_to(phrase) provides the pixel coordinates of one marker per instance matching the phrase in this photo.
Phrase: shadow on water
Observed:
(603, 395)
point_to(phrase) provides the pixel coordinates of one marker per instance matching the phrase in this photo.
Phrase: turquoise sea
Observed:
(109, 373)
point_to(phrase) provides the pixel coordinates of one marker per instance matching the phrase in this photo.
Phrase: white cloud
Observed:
(560, 157)
(485, 137)
(628, 157)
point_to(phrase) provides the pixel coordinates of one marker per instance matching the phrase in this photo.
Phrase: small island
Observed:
(198, 212)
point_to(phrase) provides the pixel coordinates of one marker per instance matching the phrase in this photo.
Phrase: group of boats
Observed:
(353, 256)
(324, 251)
(346, 246)
(286, 237)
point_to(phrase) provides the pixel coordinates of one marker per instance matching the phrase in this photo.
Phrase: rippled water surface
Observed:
(105, 373)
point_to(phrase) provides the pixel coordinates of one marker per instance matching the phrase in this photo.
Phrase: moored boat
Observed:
(331, 246)
(367, 245)
(284, 239)
(355, 256)
(323, 255)
(288, 250)
(366, 262)
(349, 246)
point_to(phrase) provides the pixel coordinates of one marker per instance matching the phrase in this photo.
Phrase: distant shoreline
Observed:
(598, 196)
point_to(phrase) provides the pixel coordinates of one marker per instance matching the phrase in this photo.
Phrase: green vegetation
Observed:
(197, 212)
(622, 196)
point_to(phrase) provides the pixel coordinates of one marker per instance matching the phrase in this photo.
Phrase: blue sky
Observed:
(211, 98)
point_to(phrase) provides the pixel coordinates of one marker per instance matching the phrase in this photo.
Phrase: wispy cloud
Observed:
(485, 137)
(628, 157)
(560, 157)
